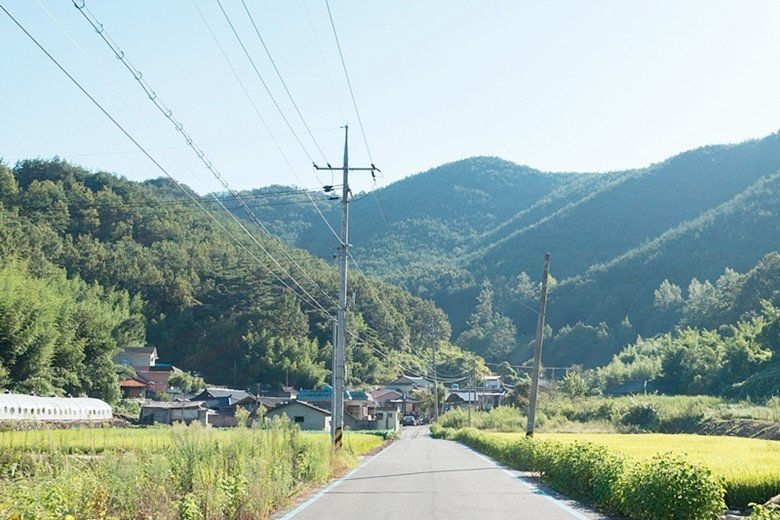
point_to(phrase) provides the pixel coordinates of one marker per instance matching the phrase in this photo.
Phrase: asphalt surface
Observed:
(420, 477)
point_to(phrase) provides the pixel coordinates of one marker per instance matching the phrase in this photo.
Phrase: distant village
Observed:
(381, 408)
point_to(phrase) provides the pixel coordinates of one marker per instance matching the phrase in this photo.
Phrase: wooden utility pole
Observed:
(538, 349)
(339, 346)
(435, 377)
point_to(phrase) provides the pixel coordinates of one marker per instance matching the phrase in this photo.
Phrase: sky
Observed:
(557, 85)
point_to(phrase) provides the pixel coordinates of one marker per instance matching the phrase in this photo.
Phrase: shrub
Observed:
(455, 418)
(761, 512)
(643, 415)
(669, 487)
(582, 470)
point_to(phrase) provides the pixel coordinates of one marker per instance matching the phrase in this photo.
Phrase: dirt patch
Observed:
(741, 428)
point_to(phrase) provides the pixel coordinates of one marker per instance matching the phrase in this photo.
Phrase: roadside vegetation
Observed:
(630, 414)
(638, 476)
(166, 473)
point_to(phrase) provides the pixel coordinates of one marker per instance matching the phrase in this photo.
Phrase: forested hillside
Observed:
(471, 235)
(92, 262)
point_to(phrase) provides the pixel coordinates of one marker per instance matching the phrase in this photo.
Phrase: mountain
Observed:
(614, 238)
(92, 262)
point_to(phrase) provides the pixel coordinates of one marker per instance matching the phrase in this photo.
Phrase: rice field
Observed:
(93, 441)
(171, 473)
(750, 468)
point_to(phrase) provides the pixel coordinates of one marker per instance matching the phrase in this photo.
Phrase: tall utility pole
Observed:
(435, 377)
(339, 348)
(538, 349)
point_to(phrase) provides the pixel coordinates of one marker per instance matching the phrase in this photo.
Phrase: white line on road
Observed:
(530, 485)
(330, 487)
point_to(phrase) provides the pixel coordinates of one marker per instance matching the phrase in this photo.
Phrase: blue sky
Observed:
(559, 85)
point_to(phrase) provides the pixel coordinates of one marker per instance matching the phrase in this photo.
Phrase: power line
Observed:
(349, 83)
(324, 63)
(179, 127)
(145, 152)
(281, 79)
(259, 115)
(262, 81)
(179, 147)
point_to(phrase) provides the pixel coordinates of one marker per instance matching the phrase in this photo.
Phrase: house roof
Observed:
(385, 393)
(303, 403)
(463, 396)
(406, 380)
(407, 399)
(134, 382)
(165, 405)
(139, 350)
(164, 367)
(231, 394)
(359, 395)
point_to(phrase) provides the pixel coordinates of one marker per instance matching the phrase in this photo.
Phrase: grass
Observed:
(750, 468)
(166, 473)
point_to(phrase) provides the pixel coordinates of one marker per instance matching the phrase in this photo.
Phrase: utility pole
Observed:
(538, 349)
(474, 383)
(339, 346)
(435, 378)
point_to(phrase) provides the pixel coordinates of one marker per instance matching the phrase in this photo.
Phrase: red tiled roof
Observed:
(133, 383)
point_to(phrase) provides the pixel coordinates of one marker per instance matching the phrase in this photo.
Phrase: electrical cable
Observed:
(144, 151)
(324, 63)
(179, 127)
(259, 115)
(281, 79)
(349, 83)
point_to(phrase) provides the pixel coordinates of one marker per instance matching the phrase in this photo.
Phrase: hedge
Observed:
(665, 486)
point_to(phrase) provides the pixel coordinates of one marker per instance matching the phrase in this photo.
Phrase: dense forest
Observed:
(471, 235)
(92, 262)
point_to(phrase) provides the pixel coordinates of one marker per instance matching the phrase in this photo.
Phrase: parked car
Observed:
(409, 420)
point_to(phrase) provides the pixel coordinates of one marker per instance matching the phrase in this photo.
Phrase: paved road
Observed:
(419, 477)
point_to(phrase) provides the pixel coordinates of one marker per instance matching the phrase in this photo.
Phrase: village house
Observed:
(305, 415)
(157, 412)
(134, 388)
(144, 361)
(223, 402)
(406, 384)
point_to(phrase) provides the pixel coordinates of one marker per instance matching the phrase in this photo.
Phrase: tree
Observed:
(573, 384)
(668, 296)
(701, 302)
(490, 334)
(186, 382)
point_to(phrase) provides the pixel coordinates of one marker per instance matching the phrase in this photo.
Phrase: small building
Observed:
(158, 375)
(481, 399)
(406, 405)
(215, 397)
(285, 392)
(223, 403)
(382, 396)
(495, 383)
(408, 383)
(305, 415)
(387, 419)
(360, 405)
(134, 388)
(170, 412)
(137, 357)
